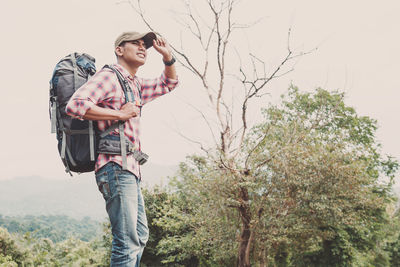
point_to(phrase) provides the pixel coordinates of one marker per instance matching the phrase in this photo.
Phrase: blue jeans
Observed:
(125, 208)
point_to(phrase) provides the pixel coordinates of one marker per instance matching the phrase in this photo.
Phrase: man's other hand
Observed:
(129, 110)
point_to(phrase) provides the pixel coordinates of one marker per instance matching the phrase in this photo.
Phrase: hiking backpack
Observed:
(76, 138)
(79, 141)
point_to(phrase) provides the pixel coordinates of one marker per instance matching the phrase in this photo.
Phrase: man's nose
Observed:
(142, 46)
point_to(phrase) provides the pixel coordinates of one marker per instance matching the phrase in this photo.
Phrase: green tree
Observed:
(393, 240)
(104, 243)
(321, 164)
(158, 252)
(10, 251)
(306, 189)
(154, 200)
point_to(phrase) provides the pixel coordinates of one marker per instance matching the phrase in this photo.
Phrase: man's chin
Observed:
(137, 63)
(141, 61)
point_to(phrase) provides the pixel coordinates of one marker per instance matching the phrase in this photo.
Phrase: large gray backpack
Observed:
(76, 139)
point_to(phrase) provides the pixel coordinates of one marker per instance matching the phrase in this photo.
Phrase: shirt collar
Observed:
(125, 73)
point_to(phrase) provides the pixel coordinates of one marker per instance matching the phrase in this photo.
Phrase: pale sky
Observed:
(358, 53)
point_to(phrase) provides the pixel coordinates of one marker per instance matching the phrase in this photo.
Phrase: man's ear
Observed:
(119, 51)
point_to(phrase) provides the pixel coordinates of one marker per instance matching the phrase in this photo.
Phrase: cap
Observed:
(147, 37)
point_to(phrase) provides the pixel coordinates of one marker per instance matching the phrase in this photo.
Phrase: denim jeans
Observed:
(125, 208)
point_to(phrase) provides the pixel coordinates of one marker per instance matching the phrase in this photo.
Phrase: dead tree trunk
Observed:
(245, 234)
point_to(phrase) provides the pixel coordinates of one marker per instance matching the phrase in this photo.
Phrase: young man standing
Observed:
(102, 99)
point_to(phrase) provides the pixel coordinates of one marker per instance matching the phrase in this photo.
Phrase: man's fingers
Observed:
(155, 44)
(159, 41)
(130, 110)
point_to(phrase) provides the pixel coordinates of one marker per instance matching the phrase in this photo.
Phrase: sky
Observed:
(357, 53)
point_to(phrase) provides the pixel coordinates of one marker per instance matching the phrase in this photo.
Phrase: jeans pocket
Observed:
(102, 183)
(104, 188)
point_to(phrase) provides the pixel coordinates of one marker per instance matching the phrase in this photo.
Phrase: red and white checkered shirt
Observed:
(104, 90)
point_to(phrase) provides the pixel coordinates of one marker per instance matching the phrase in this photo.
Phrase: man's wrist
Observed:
(167, 58)
(169, 62)
(119, 115)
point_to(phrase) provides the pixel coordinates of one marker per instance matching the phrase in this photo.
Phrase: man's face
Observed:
(134, 52)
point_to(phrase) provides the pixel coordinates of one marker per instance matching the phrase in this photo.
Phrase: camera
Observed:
(140, 157)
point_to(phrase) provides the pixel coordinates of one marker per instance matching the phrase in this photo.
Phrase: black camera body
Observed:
(140, 157)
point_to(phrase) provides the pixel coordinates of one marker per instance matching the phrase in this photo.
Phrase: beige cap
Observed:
(147, 37)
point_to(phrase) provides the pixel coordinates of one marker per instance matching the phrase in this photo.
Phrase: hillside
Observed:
(76, 196)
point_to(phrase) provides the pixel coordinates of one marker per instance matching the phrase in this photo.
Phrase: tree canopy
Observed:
(314, 190)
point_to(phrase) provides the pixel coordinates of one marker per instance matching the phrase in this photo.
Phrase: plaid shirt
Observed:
(104, 90)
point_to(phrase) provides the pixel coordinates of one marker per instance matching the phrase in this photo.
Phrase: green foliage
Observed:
(105, 243)
(320, 169)
(393, 241)
(154, 200)
(394, 250)
(57, 228)
(192, 219)
(310, 181)
(6, 261)
(162, 248)
(10, 251)
(27, 250)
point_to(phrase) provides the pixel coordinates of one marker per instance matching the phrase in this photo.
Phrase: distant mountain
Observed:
(76, 197)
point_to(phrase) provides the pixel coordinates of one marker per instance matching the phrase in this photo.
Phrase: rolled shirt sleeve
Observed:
(153, 88)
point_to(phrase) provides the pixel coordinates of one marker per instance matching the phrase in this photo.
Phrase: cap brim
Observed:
(148, 39)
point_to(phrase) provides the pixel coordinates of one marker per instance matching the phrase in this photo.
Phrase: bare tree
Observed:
(214, 35)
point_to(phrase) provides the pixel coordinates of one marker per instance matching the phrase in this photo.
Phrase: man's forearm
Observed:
(170, 71)
(97, 113)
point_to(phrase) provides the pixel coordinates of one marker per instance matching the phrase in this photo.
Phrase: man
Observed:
(102, 99)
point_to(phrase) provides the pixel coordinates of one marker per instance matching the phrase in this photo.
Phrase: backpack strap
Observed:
(53, 109)
(109, 130)
(124, 84)
(123, 145)
(91, 140)
(63, 145)
(75, 67)
(121, 125)
(64, 148)
(91, 131)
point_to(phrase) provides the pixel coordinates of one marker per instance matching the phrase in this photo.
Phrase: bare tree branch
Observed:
(246, 163)
(200, 144)
(205, 120)
(248, 25)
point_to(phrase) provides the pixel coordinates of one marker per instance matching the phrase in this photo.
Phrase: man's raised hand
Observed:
(161, 46)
